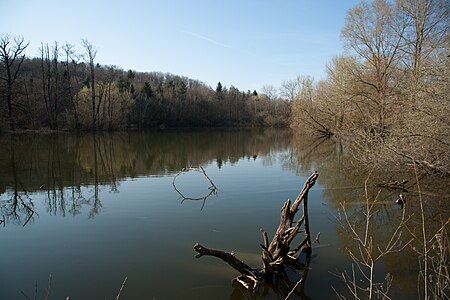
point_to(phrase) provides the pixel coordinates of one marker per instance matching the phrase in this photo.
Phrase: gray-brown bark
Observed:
(276, 254)
(228, 257)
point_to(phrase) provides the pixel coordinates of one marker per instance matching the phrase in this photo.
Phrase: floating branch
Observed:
(276, 254)
(394, 184)
(212, 188)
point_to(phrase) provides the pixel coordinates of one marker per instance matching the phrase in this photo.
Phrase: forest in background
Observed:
(65, 90)
(387, 92)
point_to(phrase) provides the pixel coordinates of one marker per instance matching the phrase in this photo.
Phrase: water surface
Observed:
(89, 210)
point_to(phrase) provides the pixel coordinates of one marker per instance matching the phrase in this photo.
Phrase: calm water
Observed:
(105, 209)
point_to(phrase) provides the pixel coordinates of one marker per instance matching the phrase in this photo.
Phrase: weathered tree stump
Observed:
(277, 254)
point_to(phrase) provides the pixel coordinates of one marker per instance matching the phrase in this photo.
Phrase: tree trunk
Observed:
(10, 114)
(93, 94)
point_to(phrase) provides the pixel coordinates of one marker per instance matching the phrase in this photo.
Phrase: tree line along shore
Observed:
(387, 91)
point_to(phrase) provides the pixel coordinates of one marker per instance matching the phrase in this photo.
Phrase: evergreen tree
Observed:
(219, 88)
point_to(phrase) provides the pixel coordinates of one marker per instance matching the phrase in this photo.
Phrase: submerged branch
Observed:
(227, 257)
(212, 188)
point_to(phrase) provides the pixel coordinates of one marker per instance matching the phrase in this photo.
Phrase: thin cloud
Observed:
(207, 39)
(250, 54)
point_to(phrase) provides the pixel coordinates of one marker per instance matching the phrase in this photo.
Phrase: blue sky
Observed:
(246, 43)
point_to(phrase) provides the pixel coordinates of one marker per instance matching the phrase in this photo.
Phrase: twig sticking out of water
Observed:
(293, 289)
(49, 286)
(121, 288)
(47, 295)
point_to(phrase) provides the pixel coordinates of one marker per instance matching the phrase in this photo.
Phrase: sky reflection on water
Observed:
(105, 209)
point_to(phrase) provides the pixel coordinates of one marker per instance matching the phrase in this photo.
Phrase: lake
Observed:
(84, 212)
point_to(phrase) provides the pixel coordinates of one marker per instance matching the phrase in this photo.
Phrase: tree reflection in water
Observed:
(71, 171)
(343, 184)
(18, 207)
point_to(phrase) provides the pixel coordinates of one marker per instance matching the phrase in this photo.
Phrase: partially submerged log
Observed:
(277, 254)
(228, 257)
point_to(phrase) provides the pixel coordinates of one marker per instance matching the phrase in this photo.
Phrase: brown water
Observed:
(89, 210)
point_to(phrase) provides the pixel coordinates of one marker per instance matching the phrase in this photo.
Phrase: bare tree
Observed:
(290, 88)
(11, 59)
(70, 55)
(309, 111)
(427, 30)
(422, 129)
(370, 31)
(50, 82)
(270, 91)
(91, 52)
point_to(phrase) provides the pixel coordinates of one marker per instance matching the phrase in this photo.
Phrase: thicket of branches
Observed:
(63, 89)
(390, 89)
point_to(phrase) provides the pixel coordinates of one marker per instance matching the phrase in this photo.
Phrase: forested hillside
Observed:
(63, 90)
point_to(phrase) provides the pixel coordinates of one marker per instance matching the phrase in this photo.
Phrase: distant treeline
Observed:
(63, 89)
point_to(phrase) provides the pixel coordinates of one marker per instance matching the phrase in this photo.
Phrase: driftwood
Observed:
(277, 254)
(394, 184)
